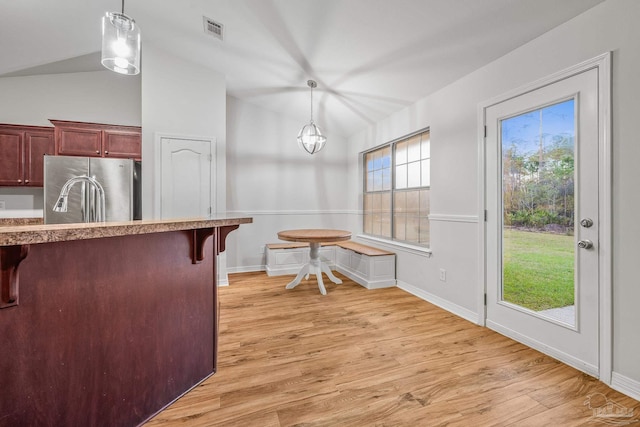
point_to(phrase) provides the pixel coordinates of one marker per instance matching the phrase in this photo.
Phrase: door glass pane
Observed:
(538, 211)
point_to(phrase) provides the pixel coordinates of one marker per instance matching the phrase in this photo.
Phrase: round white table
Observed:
(315, 266)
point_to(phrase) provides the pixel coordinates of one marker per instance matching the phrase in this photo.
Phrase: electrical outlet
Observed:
(443, 275)
(2, 205)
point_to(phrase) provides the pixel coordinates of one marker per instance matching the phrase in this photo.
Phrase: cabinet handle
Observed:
(20, 180)
(26, 181)
(106, 152)
(97, 152)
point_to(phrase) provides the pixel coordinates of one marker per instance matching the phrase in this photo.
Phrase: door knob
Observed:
(585, 244)
(586, 222)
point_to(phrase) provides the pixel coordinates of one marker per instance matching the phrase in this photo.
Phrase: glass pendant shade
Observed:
(311, 139)
(120, 44)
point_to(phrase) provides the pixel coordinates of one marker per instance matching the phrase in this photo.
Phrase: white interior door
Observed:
(186, 171)
(542, 229)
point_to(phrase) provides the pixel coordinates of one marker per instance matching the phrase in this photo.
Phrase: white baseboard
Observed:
(284, 271)
(440, 302)
(543, 348)
(246, 269)
(625, 385)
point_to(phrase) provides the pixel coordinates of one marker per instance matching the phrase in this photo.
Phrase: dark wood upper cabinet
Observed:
(22, 147)
(71, 141)
(21, 154)
(37, 143)
(11, 155)
(122, 143)
(97, 140)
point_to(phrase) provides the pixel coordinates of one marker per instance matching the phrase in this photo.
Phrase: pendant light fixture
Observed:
(310, 138)
(120, 43)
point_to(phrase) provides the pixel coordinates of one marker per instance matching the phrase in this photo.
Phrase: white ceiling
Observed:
(370, 58)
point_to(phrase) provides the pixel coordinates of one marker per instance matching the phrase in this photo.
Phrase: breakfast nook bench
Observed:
(366, 265)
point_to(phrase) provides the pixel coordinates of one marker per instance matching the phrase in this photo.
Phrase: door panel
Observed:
(37, 145)
(542, 179)
(116, 177)
(11, 164)
(186, 178)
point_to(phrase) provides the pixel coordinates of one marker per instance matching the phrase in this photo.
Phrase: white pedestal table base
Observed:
(315, 266)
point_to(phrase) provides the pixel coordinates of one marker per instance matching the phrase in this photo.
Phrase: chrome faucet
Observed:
(62, 203)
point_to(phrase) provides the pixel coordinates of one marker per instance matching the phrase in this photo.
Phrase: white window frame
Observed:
(408, 246)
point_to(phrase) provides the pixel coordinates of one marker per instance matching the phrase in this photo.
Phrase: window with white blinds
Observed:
(397, 181)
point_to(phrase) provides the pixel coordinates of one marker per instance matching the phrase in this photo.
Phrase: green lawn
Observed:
(538, 269)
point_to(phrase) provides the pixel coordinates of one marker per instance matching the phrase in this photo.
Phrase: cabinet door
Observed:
(36, 145)
(72, 141)
(122, 144)
(11, 163)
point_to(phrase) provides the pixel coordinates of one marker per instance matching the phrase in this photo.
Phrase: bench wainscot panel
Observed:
(370, 267)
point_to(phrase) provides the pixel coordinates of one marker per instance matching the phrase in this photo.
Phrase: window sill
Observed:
(406, 247)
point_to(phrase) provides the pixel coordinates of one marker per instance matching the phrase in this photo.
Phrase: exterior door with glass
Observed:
(542, 229)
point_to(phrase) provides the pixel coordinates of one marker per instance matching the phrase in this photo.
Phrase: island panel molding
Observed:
(10, 259)
(200, 236)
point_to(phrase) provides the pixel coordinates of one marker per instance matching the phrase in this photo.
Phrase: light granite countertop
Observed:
(6, 222)
(45, 233)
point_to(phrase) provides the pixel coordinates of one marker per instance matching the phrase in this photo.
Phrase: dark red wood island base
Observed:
(106, 330)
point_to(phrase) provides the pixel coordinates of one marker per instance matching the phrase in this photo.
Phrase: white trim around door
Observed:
(602, 64)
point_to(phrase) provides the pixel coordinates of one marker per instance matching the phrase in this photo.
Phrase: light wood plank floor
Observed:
(359, 357)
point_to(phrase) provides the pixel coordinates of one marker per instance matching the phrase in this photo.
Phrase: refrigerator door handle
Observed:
(92, 204)
(83, 202)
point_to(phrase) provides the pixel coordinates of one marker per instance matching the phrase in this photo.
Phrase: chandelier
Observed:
(310, 137)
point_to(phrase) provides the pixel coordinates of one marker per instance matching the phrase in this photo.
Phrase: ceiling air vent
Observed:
(212, 27)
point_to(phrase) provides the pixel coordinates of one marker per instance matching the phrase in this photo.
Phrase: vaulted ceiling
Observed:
(370, 58)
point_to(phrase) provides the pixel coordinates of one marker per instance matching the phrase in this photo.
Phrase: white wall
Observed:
(452, 115)
(277, 183)
(99, 97)
(179, 98)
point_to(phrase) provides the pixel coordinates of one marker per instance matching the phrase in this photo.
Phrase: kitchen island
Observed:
(105, 324)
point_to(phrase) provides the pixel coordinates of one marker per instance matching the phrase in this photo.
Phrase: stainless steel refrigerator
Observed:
(90, 189)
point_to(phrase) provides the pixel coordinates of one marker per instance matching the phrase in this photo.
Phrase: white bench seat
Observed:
(366, 265)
